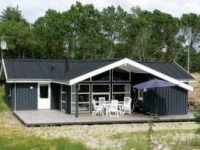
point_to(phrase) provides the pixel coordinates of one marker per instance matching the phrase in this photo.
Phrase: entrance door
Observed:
(44, 96)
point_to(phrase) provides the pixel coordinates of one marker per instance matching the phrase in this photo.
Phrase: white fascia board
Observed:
(36, 81)
(60, 82)
(28, 81)
(97, 71)
(134, 64)
(4, 68)
(159, 74)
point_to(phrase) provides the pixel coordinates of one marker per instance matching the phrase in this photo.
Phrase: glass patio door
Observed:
(62, 99)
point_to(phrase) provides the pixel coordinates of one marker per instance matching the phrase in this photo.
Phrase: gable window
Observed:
(120, 75)
(105, 76)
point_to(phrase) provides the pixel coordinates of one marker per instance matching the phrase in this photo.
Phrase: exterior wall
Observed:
(26, 96)
(161, 101)
(166, 101)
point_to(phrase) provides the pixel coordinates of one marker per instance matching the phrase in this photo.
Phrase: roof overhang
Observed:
(133, 66)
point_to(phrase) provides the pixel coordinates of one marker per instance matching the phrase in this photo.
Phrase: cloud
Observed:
(31, 10)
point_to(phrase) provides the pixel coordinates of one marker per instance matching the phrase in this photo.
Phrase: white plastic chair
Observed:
(102, 101)
(97, 109)
(113, 108)
(126, 108)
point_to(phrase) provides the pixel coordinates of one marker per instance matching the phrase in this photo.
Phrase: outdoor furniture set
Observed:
(113, 108)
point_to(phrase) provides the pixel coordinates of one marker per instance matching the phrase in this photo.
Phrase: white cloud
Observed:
(31, 10)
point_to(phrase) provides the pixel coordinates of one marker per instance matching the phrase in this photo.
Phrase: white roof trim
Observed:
(28, 81)
(134, 64)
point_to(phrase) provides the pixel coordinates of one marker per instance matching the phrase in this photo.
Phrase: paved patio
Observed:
(56, 117)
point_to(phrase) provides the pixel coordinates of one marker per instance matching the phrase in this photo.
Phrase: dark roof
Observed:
(55, 69)
(169, 68)
(50, 69)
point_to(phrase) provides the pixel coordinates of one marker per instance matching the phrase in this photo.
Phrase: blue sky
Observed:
(31, 10)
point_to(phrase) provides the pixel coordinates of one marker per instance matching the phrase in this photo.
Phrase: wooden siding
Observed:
(26, 98)
(161, 101)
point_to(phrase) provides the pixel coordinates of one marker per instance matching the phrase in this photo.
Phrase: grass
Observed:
(138, 140)
(15, 139)
(3, 106)
(18, 141)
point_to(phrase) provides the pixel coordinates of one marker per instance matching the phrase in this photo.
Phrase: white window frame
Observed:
(86, 93)
(101, 81)
(102, 93)
(61, 98)
(123, 80)
(129, 92)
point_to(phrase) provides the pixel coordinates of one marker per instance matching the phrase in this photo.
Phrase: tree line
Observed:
(84, 32)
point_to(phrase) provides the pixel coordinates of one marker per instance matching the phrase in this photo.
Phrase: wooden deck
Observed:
(56, 117)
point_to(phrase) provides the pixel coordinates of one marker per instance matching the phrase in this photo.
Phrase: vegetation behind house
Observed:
(83, 32)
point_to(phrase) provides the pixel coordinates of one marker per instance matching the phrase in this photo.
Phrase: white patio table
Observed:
(107, 106)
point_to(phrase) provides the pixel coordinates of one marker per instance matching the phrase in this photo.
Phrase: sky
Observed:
(32, 9)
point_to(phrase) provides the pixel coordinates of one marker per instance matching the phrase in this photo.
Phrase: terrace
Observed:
(56, 117)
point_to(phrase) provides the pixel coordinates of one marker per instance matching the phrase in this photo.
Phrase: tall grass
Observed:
(21, 142)
(3, 106)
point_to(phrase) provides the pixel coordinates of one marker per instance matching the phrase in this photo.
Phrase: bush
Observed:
(197, 115)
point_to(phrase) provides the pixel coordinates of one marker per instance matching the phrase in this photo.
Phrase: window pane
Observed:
(81, 107)
(73, 88)
(63, 106)
(121, 88)
(84, 88)
(120, 75)
(101, 88)
(73, 98)
(83, 98)
(44, 91)
(120, 97)
(96, 97)
(102, 77)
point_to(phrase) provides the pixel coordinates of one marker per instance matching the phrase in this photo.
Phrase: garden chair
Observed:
(113, 109)
(126, 107)
(97, 109)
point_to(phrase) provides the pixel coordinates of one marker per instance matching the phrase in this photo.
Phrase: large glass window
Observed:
(102, 77)
(83, 98)
(120, 91)
(120, 75)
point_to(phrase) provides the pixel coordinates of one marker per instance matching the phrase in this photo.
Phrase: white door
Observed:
(44, 95)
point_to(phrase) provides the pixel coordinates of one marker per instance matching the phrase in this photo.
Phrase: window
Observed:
(120, 91)
(140, 95)
(101, 88)
(83, 98)
(102, 77)
(120, 75)
(44, 91)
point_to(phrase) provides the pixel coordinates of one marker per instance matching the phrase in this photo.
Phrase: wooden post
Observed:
(76, 114)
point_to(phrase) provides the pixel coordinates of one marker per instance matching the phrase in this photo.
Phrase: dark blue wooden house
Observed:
(70, 85)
